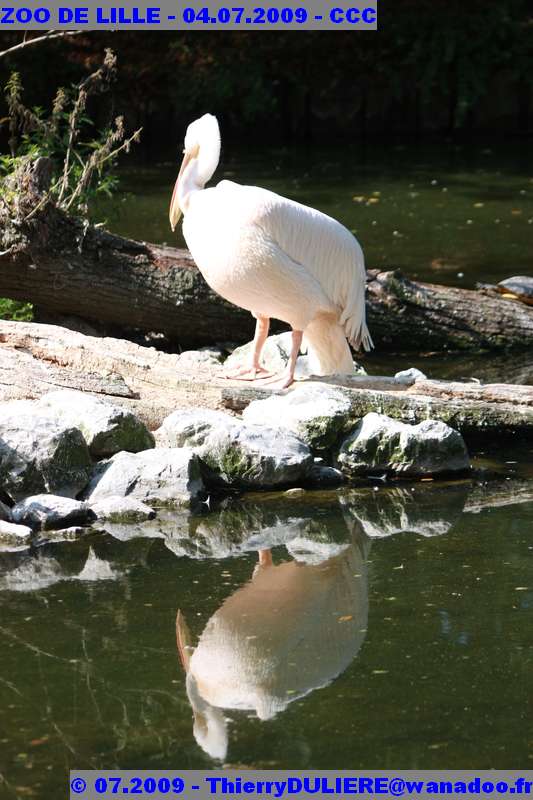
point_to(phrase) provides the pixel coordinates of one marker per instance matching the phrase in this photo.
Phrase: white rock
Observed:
(164, 476)
(47, 511)
(122, 509)
(40, 454)
(379, 443)
(411, 374)
(107, 428)
(237, 454)
(12, 535)
(316, 413)
(190, 359)
(190, 427)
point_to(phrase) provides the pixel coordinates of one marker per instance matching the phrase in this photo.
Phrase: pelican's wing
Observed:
(325, 248)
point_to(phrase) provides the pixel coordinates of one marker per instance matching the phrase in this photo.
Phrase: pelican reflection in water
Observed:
(292, 629)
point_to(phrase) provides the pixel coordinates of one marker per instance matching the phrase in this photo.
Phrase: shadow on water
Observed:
(366, 628)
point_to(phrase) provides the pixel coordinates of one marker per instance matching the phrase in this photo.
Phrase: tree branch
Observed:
(27, 42)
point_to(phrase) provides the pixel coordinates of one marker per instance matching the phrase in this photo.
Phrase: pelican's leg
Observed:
(285, 378)
(265, 558)
(264, 561)
(250, 373)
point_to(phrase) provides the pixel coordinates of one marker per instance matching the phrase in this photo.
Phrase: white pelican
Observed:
(274, 257)
(291, 630)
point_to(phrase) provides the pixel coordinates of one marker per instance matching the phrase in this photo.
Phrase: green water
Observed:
(452, 214)
(392, 630)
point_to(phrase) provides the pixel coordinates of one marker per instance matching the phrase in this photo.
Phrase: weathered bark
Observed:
(409, 315)
(35, 359)
(67, 268)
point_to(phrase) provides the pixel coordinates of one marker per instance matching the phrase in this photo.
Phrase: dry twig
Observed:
(46, 37)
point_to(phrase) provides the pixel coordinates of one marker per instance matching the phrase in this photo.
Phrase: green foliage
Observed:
(15, 310)
(83, 157)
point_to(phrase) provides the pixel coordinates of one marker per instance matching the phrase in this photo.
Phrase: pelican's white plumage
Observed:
(291, 630)
(273, 256)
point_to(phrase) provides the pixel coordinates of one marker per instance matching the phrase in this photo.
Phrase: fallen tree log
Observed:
(35, 359)
(68, 268)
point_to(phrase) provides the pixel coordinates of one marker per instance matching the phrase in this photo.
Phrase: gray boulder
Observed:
(236, 454)
(107, 428)
(323, 476)
(381, 444)
(318, 414)
(190, 427)
(14, 537)
(254, 457)
(48, 511)
(122, 510)
(163, 477)
(39, 454)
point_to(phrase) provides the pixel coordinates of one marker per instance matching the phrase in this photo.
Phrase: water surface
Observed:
(391, 630)
(450, 214)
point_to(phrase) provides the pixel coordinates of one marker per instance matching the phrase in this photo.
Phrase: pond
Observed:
(456, 214)
(373, 627)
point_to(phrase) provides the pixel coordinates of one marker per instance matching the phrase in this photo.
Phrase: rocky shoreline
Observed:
(70, 461)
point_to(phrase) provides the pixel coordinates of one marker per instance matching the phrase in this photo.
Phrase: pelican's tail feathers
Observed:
(362, 340)
(328, 349)
(353, 318)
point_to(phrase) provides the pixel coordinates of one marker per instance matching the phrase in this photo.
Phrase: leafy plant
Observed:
(15, 310)
(82, 157)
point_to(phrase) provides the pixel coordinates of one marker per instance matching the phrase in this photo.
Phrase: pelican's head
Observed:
(200, 159)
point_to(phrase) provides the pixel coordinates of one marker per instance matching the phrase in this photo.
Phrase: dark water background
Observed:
(450, 214)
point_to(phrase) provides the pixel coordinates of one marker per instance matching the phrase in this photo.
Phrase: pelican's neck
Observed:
(198, 172)
(189, 184)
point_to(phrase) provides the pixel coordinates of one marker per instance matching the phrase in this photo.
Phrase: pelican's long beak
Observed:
(184, 641)
(175, 210)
